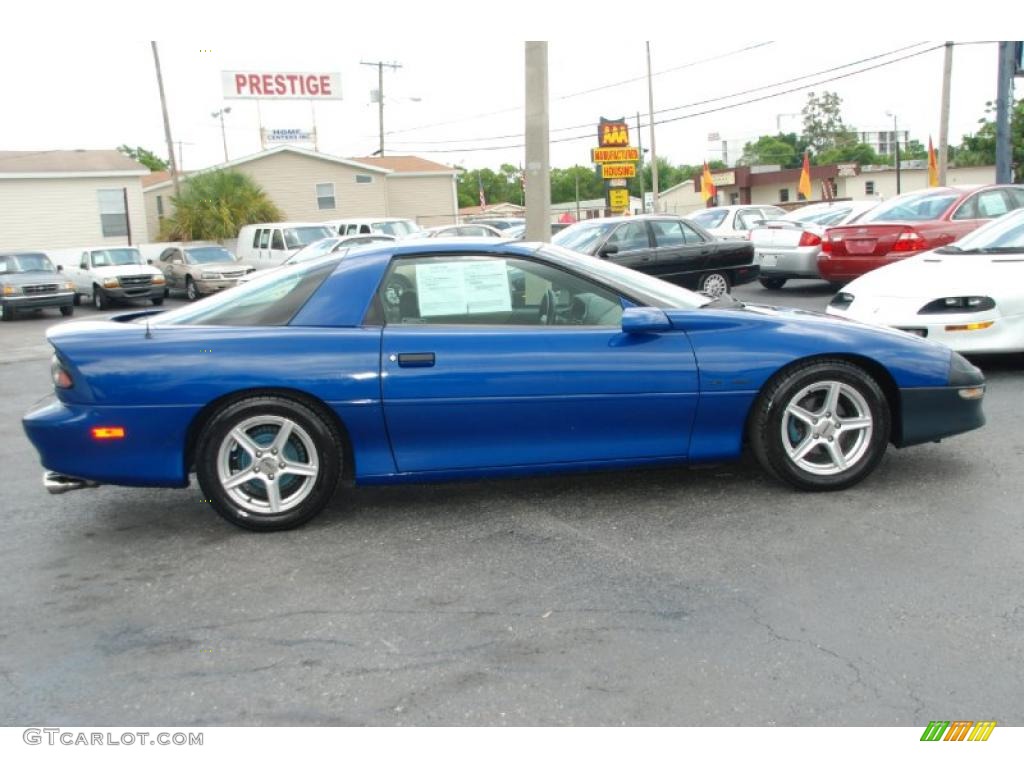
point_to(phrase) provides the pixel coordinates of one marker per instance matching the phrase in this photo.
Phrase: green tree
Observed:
(140, 155)
(769, 150)
(823, 122)
(979, 148)
(215, 205)
(563, 184)
(914, 150)
(862, 154)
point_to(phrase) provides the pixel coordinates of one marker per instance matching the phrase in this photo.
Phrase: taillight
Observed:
(61, 378)
(910, 241)
(826, 245)
(809, 238)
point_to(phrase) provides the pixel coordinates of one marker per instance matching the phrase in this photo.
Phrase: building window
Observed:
(113, 218)
(784, 195)
(325, 195)
(362, 178)
(869, 187)
(160, 206)
(734, 198)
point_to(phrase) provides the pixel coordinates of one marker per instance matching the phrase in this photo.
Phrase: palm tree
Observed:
(215, 205)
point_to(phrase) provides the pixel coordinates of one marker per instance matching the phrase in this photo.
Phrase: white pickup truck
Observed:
(106, 275)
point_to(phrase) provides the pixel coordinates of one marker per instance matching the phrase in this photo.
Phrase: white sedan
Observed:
(968, 296)
(734, 222)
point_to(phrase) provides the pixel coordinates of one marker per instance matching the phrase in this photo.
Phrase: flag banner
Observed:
(804, 187)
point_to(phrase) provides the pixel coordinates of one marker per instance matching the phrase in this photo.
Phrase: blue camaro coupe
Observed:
(441, 360)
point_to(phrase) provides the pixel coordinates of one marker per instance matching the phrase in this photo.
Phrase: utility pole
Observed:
(223, 133)
(640, 164)
(167, 121)
(947, 76)
(538, 170)
(1004, 97)
(654, 152)
(380, 94)
(896, 144)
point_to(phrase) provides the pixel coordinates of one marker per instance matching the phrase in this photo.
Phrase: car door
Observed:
(264, 252)
(629, 244)
(679, 250)
(501, 361)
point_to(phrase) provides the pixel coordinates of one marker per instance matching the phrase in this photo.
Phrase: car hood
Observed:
(31, 278)
(126, 270)
(931, 274)
(218, 266)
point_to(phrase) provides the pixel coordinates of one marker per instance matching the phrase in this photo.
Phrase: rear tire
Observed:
(773, 283)
(714, 284)
(245, 451)
(820, 426)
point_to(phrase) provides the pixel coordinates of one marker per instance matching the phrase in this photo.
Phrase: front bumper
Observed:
(1001, 333)
(141, 292)
(215, 286)
(38, 301)
(928, 414)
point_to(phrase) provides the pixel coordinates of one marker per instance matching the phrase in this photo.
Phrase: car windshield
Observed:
(818, 214)
(26, 262)
(1004, 233)
(709, 219)
(582, 237)
(296, 237)
(921, 206)
(314, 250)
(207, 255)
(116, 257)
(395, 228)
(649, 290)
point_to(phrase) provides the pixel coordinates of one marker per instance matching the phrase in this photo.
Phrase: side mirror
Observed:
(149, 261)
(645, 320)
(608, 250)
(60, 267)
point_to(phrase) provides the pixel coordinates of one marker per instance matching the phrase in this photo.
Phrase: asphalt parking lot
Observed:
(704, 596)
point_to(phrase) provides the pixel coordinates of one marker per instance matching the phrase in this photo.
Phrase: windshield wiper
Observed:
(951, 249)
(1001, 249)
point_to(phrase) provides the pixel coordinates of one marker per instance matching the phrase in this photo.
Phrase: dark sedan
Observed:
(666, 247)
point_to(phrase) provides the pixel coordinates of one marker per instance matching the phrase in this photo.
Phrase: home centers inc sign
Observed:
(281, 85)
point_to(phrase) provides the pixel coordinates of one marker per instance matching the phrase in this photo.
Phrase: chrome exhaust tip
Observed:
(54, 482)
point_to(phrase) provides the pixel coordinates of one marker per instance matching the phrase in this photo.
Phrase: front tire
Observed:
(714, 284)
(191, 292)
(99, 300)
(821, 426)
(268, 463)
(773, 283)
(67, 311)
(158, 301)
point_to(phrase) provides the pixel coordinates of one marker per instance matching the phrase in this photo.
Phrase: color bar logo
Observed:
(958, 730)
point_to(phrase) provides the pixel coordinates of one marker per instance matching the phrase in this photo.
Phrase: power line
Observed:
(691, 104)
(581, 93)
(707, 111)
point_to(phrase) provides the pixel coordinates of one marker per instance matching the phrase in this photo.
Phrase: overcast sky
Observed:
(84, 93)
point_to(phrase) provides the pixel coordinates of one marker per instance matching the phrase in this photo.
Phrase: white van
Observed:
(395, 227)
(267, 245)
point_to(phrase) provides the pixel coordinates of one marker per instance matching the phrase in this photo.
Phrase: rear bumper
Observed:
(933, 413)
(152, 452)
(793, 262)
(846, 268)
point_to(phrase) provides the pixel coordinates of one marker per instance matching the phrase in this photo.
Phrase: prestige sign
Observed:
(281, 85)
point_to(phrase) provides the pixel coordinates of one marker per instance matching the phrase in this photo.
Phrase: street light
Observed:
(896, 141)
(223, 134)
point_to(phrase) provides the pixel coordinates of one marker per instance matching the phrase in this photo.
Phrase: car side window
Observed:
(84, 263)
(630, 237)
(747, 219)
(256, 238)
(692, 235)
(492, 290)
(166, 255)
(992, 203)
(264, 238)
(277, 242)
(667, 233)
(1016, 195)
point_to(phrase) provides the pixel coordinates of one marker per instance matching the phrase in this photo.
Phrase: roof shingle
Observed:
(68, 161)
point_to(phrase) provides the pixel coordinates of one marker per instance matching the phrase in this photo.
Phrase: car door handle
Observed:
(415, 359)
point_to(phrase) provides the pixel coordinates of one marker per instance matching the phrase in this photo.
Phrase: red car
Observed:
(909, 224)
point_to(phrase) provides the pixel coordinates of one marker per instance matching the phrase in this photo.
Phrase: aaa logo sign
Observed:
(612, 133)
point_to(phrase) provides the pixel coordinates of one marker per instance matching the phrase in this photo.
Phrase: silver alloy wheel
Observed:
(826, 428)
(715, 285)
(267, 465)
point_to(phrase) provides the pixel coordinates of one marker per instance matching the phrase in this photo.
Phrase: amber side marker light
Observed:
(971, 393)
(108, 433)
(971, 326)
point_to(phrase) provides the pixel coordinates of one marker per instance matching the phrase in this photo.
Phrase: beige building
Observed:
(313, 186)
(70, 198)
(681, 199)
